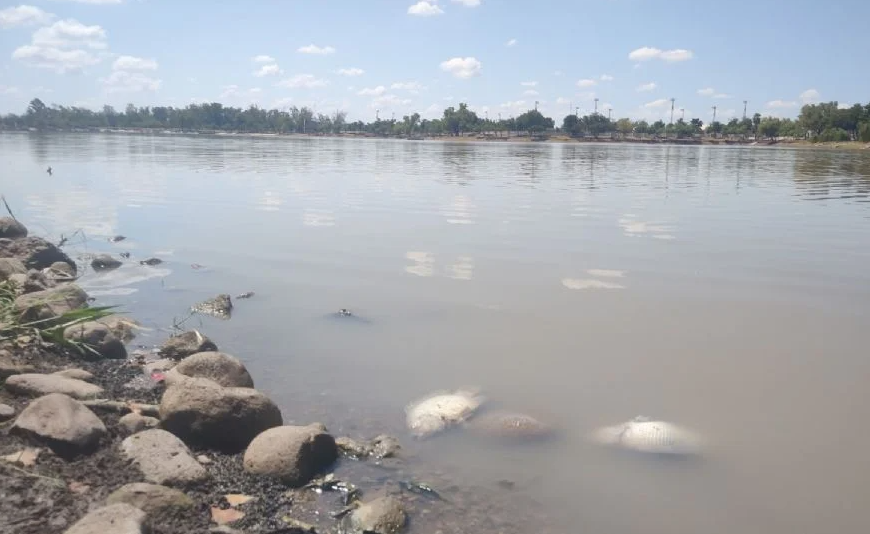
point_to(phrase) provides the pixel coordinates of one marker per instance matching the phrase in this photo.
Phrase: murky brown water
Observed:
(724, 289)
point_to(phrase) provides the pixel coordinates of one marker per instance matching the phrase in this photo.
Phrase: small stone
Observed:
(385, 446)
(11, 228)
(220, 307)
(64, 424)
(34, 281)
(78, 374)
(98, 337)
(35, 385)
(186, 344)
(153, 499)
(6, 412)
(26, 457)
(384, 515)
(293, 454)
(60, 268)
(203, 459)
(237, 499)
(10, 266)
(120, 518)
(352, 448)
(134, 422)
(122, 328)
(50, 303)
(163, 458)
(104, 262)
(161, 365)
(216, 366)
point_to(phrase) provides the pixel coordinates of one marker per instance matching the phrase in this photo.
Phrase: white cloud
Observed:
(351, 72)
(263, 59)
(586, 83)
(9, 90)
(562, 100)
(781, 104)
(721, 95)
(134, 63)
(23, 15)
(531, 92)
(317, 50)
(268, 70)
(511, 42)
(389, 100)
(467, 3)
(462, 68)
(96, 2)
(644, 87)
(412, 86)
(529, 84)
(709, 91)
(660, 103)
(372, 91)
(303, 81)
(282, 102)
(425, 9)
(646, 53)
(58, 60)
(70, 33)
(121, 81)
(810, 96)
(606, 78)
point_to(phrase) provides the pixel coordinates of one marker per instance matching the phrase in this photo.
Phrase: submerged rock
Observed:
(216, 366)
(120, 518)
(385, 446)
(202, 413)
(34, 252)
(63, 423)
(153, 499)
(151, 262)
(384, 515)
(648, 436)
(293, 454)
(60, 272)
(98, 337)
(35, 385)
(163, 458)
(186, 344)
(11, 228)
(351, 448)
(440, 411)
(509, 425)
(105, 262)
(51, 303)
(220, 306)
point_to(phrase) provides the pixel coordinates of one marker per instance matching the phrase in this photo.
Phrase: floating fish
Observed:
(642, 434)
(440, 411)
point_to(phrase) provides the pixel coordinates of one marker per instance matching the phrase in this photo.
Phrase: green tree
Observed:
(624, 126)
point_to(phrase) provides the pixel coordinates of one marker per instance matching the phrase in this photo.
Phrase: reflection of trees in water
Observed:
(458, 160)
(827, 174)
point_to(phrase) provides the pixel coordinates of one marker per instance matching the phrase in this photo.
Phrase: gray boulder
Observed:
(10, 266)
(78, 374)
(35, 385)
(352, 448)
(134, 422)
(37, 281)
(202, 413)
(120, 518)
(50, 303)
(163, 458)
(64, 424)
(186, 344)
(98, 337)
(384, 515)
(385, 446)
(293, 454)
(6, 412)
(105, 262)
(121, 327)
(216, 366)
(153, 499)
(11, 228)
(60, 271)
(34, 252)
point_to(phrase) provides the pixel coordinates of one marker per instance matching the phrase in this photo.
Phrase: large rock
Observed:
(10, 266)
(35, 385)
(120, 518)
(216, 366)
(78, 374)
(9, 367)
(203, 413)
(105, 262)
(384, 515)
(6, 412)
(51, 303)
(163, 458)
(98, 337)
(34, 252)
(61, 422)
(134, 422)
(11, 228)
(153, 499)
(60, 271)
(186, 344)
(33, 281)
(293, 454)
(122, 328)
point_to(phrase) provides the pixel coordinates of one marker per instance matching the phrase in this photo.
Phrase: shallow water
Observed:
(723, 289)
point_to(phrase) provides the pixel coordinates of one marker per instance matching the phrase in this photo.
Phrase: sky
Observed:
(396, 57)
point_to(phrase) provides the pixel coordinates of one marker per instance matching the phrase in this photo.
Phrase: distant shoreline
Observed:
(705, 141)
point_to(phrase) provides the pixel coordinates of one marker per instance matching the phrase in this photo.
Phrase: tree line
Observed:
(823, 122)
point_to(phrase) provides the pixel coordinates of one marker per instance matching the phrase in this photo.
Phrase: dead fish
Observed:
(247, 295)
(151, 261)
(420, 488)
(117, 238)
(644, 435)
(439, 411)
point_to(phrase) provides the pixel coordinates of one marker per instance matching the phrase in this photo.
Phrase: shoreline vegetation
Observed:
(823, 125)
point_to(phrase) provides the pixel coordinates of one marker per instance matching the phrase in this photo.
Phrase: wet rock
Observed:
(105, 262)
(120, 518)
(153, 499)
(51, 303)
(293, 454)
(352, 448)
(35, 385)
(78, 374)
(203, 413)
(61, 270)
(64, 424)
(34, 252)
(6, 412)
(163, 458)
(216, 366)
(134, 422)
(34, 281)
(99, 338)
(510, 426)
(220, 306)
(440, 411)
(384, 515)
(385, 446)
(12, 229)
(122, 328)
(10, 266)
(186, 344)
(156, 366)
(151, 262)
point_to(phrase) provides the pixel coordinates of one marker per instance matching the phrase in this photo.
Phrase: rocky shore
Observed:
(94, 439)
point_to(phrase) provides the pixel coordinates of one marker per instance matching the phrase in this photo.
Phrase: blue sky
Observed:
(401, 56)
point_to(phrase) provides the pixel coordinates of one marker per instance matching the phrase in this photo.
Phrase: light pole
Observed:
(536, 105)
(744, 109)
(609, 113)
(714, 114)
(682, 113)
(672, 110)
(596, 106)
